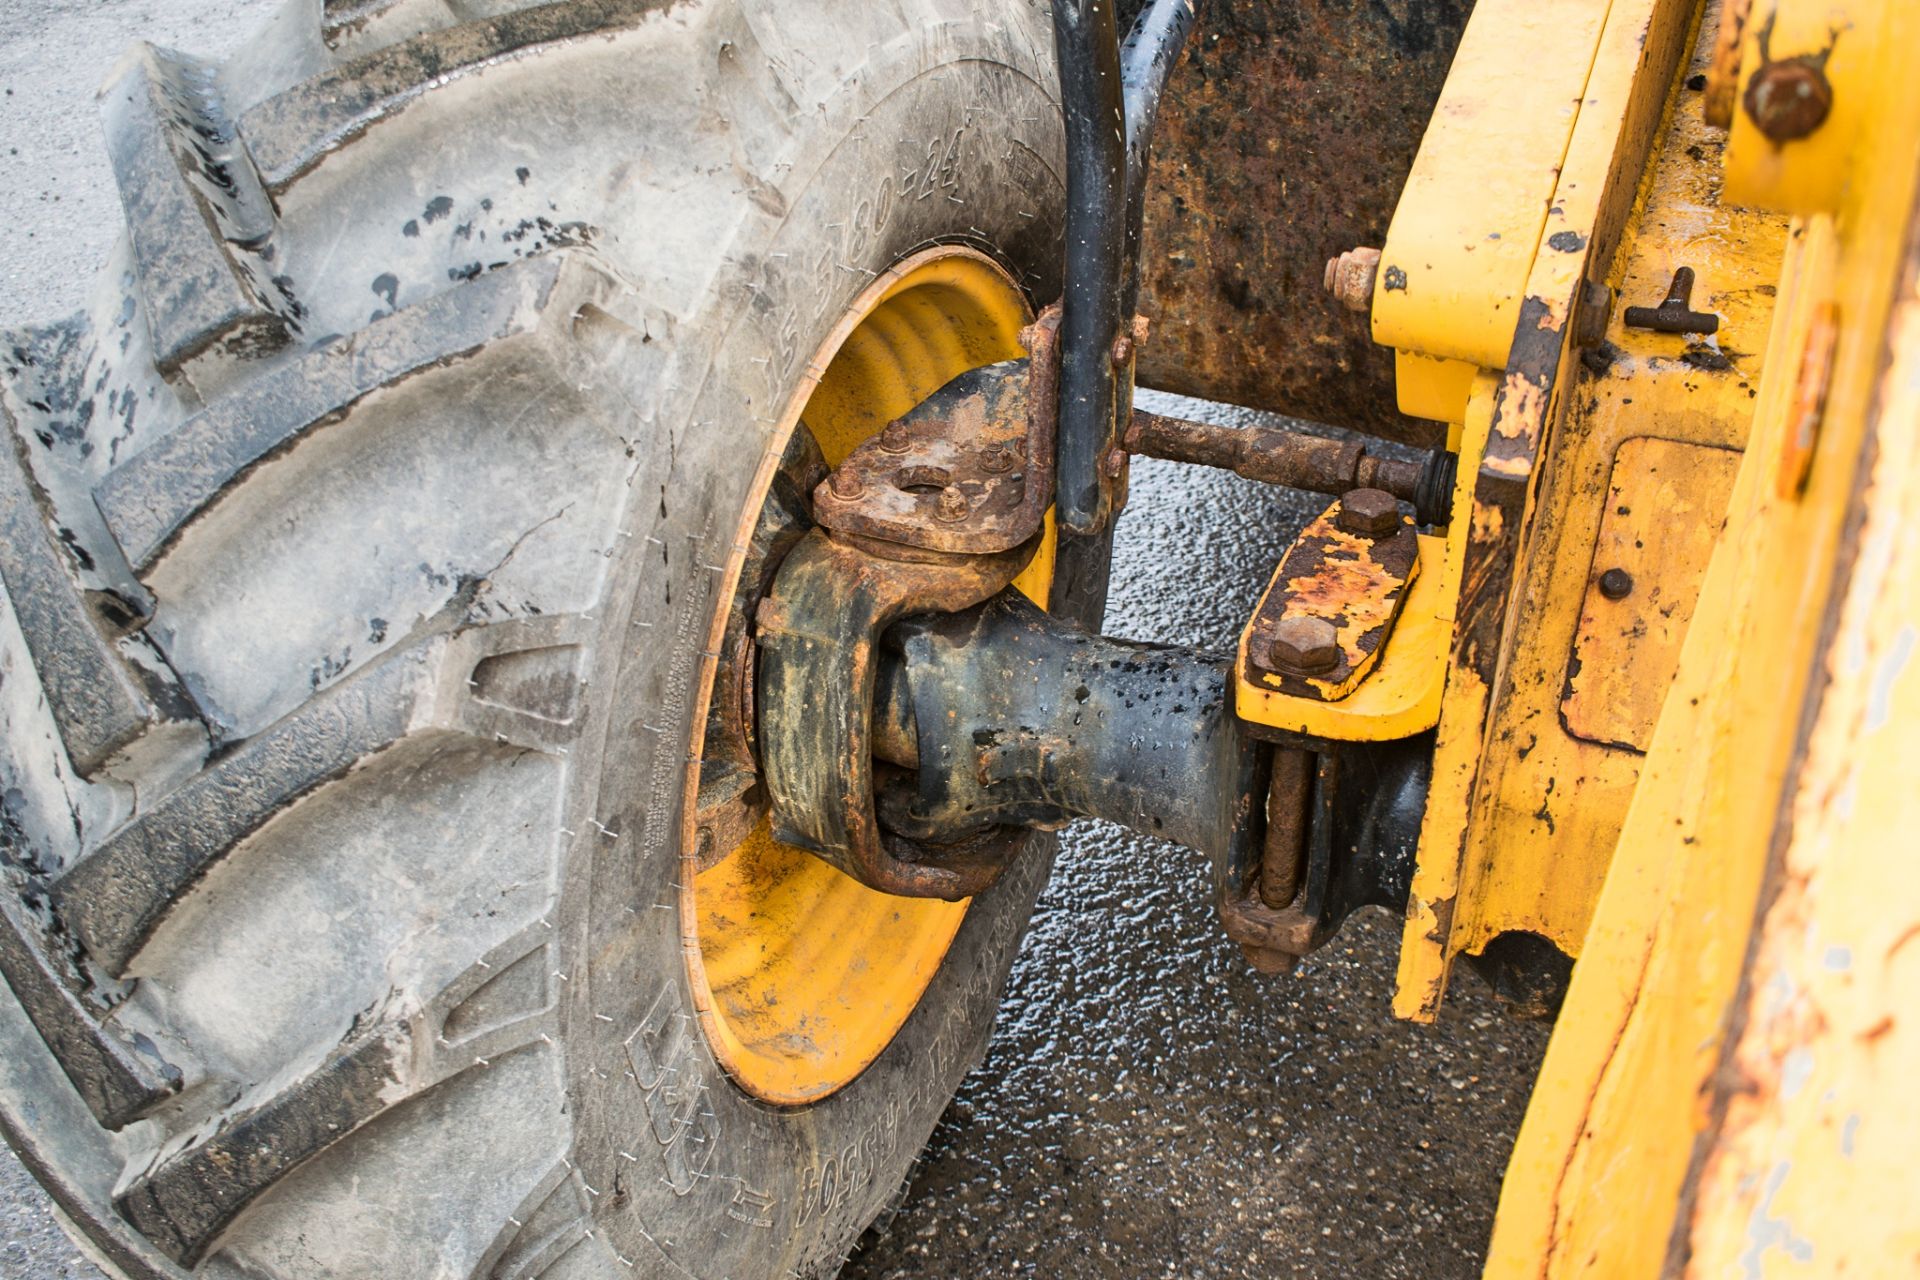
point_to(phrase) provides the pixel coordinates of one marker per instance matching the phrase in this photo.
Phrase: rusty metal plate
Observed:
(1286, 136)
(1353, 581)
(968, 470)
(1666, 503)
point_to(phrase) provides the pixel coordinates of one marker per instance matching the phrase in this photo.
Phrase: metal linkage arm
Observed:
(1010, 717)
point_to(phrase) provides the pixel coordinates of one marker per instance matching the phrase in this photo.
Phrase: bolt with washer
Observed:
(1369, 513)
(1304, 646)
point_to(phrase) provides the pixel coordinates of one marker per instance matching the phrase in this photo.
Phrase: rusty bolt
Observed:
(1616, 584)
(1789, 99)
(1590, 319)
(997, 458)
(1270, 961)
(1350, 277)
(1122, 350)
(845, 484)
(1370, 513)
(1114, 463)
(894, 438)
(953, 504)
(1304, 646)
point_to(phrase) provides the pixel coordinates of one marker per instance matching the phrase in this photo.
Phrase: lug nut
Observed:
(1304, 646)
(953, 504)
(1616, 584)
(997, 459)
(1350, 277)
(1369, 513)
(845, 484)
(894, 438)
(1789, 99)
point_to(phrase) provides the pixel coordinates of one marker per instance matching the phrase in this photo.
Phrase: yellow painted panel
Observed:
(1810, 175)
(1432, 388)
(1779, 781)
(1469, 221)
(1813, 1168)
(1664, 507)
(1525, 815)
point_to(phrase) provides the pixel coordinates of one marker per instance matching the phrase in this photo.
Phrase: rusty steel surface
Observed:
(817, 633)
(731, 798)
(969, 470)
(1274, 455)
(1286, 136)
(1354, 581)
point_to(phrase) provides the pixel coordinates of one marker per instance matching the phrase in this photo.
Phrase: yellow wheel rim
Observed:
(801, 974)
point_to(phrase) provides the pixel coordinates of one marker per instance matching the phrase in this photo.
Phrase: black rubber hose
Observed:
(1088, 53)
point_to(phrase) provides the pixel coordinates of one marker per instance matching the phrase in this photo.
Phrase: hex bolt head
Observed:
(894, 437)
(1616, 584)
(953, 504)
(1304, 646)
(1370, 513)
(845, 484)
(1350, 278)
(1789, 99)
(997, 458)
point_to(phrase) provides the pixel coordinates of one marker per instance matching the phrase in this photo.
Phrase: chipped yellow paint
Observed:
(1811, 175)
(1717, 1101)
(1539, 808)
(1470, 220)
(1401, 695)
(1661, 516)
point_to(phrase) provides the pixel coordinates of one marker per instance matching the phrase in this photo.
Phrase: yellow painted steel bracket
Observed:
(1729, 1088)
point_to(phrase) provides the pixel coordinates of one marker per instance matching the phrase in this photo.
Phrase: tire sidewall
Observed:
(681, 1165)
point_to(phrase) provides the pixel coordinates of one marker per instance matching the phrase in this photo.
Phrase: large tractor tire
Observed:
(367, 546)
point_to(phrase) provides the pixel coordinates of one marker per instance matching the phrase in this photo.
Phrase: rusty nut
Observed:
(1350, 277)
(894, 437)
(952, 505)
(1369, 513)
(845, 484)
(1789, 99)
(1304, 646)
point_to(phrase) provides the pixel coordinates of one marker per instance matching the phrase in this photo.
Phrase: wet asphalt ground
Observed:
(1149, 1105)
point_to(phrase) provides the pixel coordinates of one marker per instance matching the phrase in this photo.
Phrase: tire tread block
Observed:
(114, 897)
(118, 1077)
(389, 1057)
(152, 496)
(96, 703)
(194, 207)
(292, 132)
